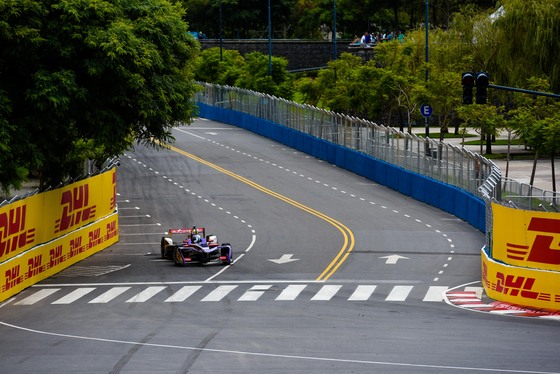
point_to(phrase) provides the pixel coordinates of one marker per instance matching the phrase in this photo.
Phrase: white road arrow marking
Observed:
(392, 259)
(284, 259)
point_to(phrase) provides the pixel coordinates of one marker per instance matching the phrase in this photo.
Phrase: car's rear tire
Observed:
(162, 247)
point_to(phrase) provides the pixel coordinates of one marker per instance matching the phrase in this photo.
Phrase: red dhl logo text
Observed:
(13, 235)
(112, 230)
(94, 238)
(12, 278)
(542, 250)
(55, 256)
(515, 285)
(113, 202)
(75, 209)
(76, 247)
(35, 266)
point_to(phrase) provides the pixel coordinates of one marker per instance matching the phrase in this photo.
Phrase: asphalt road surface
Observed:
(333, 274)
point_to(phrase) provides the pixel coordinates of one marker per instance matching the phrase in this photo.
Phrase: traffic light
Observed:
(468, 83)
(482, 80)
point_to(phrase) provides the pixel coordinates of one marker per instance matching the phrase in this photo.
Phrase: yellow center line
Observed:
(347, 234)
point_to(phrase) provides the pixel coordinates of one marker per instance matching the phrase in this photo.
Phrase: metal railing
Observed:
(524, 196)
(435, 159)
(438, 160)
(89, 172)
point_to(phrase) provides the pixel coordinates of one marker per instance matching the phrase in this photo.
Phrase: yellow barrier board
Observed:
(533, 288)
(48, 259)
(526, 238)
(45, 216)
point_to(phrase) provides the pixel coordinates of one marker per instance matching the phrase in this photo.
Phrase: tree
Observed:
(535, 121)
(257, 77)
(529, 36)
(209, 68)
(240, 19)
(250, 72)
(94, 74)
(486, 119)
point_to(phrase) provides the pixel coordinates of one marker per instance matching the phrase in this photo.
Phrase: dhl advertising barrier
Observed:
(524, 266)
(526, 238)
(69, 223)
(521, 286)
(48, 259)
(48, 215)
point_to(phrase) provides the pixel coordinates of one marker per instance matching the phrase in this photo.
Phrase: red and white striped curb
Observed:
(472, 300)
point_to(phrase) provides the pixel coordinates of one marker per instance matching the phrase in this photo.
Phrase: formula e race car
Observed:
(192, 245)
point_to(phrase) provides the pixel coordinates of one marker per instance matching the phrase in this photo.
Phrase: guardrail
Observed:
(108, 164)
(438, 160)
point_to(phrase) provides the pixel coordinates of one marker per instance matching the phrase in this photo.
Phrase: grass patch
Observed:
(449, 135)
(512, 156)
(497, 142)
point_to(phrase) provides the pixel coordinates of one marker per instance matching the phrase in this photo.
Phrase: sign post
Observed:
(426, 112)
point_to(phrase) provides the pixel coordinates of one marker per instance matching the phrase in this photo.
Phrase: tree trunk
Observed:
(489, 144)
(409, 120)
(534, 167)
(553, 173)
(508, 154)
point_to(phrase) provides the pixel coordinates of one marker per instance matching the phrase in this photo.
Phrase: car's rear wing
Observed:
(185, 231)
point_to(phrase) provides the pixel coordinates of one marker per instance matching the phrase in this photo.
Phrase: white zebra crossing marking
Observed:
(219, 293)
(74, 295)
(362, 293)
(290, 292)
(399, 293)
(254, 292)
(109, 295)
(183, 294)
(435, 293)
(146, 294)
(37, 296)
(326, 292)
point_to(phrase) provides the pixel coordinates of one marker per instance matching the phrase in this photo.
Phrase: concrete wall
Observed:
(301, 54)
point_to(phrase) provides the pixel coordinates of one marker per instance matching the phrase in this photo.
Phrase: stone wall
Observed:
(301, 54)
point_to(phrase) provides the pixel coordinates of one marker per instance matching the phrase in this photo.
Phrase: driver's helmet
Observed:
(195, 238)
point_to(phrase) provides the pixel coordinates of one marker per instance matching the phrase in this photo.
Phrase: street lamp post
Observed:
(221, 35)
(427, 35)
(269, 41)
(335, 54)
(427, 59)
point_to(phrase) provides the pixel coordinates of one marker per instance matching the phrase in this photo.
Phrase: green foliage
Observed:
(266, 76)
(79, 76)
(313, 19)
(487, 119)
(250, 72)
(209, 68)
(530, 35)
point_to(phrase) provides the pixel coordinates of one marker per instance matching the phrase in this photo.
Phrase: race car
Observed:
(192, 245)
